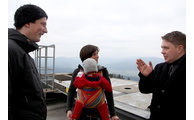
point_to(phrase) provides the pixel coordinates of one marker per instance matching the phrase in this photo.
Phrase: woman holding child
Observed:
(90, 51)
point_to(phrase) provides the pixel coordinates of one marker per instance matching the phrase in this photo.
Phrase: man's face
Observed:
(169, 51)
(37, 29)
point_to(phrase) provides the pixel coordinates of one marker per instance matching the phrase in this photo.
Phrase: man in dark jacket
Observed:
(167, 82)
(26, 100)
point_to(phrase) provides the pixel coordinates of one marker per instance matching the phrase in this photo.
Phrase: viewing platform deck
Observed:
(129, 102)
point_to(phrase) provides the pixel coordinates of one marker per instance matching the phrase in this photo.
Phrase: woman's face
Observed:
(95, 56)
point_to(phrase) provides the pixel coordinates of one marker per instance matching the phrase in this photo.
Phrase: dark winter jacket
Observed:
(169, 91)
(91, 111)
(26, 100)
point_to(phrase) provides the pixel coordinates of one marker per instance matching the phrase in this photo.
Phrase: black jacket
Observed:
(26, 100)
(90, 111)
(169, 92)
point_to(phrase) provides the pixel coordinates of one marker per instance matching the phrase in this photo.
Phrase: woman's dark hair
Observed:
(87, 51)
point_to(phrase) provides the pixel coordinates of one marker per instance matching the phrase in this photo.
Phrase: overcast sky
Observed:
(120, 28)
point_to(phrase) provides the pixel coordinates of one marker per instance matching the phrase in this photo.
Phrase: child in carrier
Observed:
(91, 87)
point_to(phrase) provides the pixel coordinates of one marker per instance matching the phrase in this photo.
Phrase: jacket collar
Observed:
(24, 42)
(179, 60)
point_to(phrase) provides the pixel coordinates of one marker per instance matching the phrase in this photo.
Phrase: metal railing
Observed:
(45, 63)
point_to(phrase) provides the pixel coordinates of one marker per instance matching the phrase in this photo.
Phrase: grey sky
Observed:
(120, 28)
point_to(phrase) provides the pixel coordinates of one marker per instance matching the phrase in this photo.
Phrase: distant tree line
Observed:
(118, 76)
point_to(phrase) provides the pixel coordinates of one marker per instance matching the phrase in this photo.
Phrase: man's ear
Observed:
(180, 48)
(27, 25)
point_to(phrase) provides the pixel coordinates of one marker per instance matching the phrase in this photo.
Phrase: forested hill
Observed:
(123, 66)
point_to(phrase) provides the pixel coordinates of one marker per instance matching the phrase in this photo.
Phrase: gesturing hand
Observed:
(143, 67)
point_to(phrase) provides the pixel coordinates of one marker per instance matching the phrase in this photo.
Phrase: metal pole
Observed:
(39, 57)
(53, 66)
(46, 77)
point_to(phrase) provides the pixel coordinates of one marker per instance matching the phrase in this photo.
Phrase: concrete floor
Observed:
(56, 111)
(126, 97)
